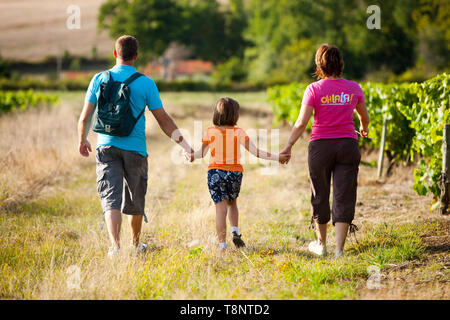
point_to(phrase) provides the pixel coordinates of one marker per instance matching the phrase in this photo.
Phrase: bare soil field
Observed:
(34, 29)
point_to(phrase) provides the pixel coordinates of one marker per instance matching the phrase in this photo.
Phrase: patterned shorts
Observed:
(224, 185)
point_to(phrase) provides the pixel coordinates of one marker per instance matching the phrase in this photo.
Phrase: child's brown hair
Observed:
(226, 112)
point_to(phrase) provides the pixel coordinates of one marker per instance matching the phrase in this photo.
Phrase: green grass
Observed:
(43, 237)
(48, 233)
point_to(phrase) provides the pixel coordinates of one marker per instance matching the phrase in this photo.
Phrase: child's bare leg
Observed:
(221, 220)
(233, 213)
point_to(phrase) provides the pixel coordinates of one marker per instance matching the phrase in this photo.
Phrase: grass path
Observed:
(52, 242)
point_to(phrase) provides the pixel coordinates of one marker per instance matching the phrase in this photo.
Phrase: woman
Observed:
(333, 149)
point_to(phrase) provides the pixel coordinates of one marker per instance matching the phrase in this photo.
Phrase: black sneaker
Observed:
(237, 240)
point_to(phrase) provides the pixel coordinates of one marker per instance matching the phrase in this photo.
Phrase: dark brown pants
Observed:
(337, 158)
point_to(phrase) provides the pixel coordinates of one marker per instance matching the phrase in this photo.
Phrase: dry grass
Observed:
(39, 149)
(46, 233)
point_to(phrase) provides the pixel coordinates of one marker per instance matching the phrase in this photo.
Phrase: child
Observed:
(224, 170)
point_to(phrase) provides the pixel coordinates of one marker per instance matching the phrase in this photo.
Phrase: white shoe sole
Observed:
(313, 248)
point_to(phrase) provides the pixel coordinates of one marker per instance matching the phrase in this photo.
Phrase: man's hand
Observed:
(84, 148)
(285, 155)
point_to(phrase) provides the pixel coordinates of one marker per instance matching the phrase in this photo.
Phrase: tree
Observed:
(155, 23)
(432, 18)
(285, 33)
(211, 31)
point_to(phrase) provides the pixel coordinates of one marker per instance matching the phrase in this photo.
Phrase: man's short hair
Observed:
(126, 47)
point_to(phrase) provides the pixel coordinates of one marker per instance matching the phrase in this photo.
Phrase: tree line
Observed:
(273, 41)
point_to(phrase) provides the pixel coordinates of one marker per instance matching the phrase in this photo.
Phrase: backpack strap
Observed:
(137, 119)
(127, 82)
(107, 76)
(133, 77)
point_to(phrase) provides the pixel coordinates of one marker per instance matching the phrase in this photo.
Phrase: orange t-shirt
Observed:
(225, 147)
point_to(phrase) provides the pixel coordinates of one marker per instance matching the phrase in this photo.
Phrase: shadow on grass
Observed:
(268, 251)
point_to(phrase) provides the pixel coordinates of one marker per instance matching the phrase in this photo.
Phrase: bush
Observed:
(83, 83)
(40, 84)
(5, 68)
(22, 100)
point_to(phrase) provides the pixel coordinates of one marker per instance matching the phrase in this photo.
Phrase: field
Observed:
(19, 20)
(51, 245)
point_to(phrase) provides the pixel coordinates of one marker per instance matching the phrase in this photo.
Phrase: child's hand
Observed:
(189, 156)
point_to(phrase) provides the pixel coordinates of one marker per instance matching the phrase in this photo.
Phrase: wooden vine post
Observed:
(444, 183)
(382, 145)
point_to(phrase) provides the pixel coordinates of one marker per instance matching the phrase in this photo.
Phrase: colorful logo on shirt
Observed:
(343, 98)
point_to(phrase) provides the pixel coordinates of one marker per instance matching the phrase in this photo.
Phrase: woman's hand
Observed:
(283, 158)
(285, 155)
(364, 132)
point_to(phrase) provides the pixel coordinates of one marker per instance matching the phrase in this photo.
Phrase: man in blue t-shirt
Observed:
(122, 161)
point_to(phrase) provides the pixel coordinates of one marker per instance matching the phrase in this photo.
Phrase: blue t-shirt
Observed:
(143, 93)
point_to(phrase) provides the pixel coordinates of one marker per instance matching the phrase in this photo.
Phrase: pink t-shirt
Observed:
(334, 102)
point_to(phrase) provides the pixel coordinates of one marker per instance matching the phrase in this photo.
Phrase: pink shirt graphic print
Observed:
(334, 102)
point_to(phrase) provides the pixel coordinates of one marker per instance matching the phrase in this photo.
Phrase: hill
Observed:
(32, 30)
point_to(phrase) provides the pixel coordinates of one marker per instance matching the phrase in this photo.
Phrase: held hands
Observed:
(84, 148)
(189, 155)
(285, 155)
(283, 158)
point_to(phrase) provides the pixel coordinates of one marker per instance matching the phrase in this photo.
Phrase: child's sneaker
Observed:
(237, 240)
(317, 248)
(339, 254)
(141, 248)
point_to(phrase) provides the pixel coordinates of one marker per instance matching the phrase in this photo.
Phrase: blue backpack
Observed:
(113, 115)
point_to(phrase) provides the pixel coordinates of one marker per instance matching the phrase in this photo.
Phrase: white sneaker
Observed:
(339, 254)
(317, 248)
(112, 253)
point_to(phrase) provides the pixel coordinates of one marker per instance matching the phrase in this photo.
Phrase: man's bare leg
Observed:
(113, 220)
(136, 227)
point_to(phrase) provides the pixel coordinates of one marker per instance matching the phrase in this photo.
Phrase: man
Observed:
(122, 161)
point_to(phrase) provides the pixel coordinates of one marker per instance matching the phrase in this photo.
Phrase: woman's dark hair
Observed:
(329, 62)
(226, 112)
